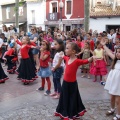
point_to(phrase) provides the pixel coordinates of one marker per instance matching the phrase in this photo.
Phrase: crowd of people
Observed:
(45, 53)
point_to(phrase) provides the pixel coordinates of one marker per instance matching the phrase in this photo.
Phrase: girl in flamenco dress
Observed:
(98, 67)
(11, 58)
(70, 106)
(26, 72)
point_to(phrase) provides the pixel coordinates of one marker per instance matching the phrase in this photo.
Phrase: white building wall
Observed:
(0, 19)
(99, 24)
(40, 13)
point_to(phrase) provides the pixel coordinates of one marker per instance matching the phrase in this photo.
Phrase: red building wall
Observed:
(78, 9)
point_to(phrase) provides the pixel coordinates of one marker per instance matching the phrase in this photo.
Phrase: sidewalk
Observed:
(19, 102)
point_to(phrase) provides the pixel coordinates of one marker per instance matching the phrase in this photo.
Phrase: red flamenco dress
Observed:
(26, 72)
(11, 56)
(99, 66)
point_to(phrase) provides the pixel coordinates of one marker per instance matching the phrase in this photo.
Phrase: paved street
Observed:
(19, 102)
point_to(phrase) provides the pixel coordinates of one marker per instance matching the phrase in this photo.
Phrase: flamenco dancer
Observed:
(3, 76)
(11, 58)
(70, 106)
(26, 72)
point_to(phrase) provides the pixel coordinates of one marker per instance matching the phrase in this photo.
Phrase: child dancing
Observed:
(45, 71)
(70, 105)
(3, 76)
(57, 68)
(98, 67)
(26, 72)
(86, 54)
(11, 58)
(113, 81)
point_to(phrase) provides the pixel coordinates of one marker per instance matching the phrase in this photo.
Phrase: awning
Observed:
(11, 23)
(66, 22)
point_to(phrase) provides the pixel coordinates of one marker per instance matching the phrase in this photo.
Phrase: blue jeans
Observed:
(57, 74)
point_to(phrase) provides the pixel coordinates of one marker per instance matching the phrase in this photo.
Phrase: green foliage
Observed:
(21, 2)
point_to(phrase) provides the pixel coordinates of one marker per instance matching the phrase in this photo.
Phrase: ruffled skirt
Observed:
(99, 68)
(3, 76)
(70, 104)
(11, 64)
(26, 72)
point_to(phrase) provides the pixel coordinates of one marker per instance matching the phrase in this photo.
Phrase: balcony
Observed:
(53, 16)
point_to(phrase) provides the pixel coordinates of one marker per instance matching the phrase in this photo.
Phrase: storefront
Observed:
(67, 24)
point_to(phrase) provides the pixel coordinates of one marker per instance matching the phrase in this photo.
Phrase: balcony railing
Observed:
(53, 16)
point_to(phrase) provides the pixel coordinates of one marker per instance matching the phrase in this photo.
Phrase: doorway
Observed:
(68, 28)
(109, 27)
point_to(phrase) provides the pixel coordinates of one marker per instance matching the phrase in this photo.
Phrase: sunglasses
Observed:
(32, 29)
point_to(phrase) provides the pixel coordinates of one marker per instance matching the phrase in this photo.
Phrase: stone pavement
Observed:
(37, 111)
(19, 102)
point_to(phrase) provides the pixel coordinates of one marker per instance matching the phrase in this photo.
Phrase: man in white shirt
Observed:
(112, 36)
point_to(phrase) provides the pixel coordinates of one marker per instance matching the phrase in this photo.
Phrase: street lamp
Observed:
(61, 5)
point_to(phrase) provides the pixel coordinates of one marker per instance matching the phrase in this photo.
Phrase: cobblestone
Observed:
(95, 111)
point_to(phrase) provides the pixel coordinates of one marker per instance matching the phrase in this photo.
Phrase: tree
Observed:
(86, 15)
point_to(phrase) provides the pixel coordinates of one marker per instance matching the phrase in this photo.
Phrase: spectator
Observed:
(6, 31)
(34, 38)
(12, 32)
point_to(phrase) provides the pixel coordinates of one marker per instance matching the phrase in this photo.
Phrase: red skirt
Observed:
(99, 68)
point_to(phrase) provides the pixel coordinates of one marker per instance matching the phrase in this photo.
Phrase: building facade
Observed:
(8, 15)
(36, 14)
(31, 13)
(104, 14)
(72, 14)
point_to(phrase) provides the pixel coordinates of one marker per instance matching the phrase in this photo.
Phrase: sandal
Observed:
(116, 118)
(108, 113)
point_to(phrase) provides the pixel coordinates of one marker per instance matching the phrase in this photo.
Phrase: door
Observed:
(109, 27)
(68, 28)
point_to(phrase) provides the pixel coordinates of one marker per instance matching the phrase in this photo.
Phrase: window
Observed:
(68, 6)
(7, 12)
(33, 16)
(68, 28)
(54, 7)
(20, 11)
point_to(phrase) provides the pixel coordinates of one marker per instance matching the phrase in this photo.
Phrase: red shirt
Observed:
(79, 44)
(24, 50)
(10, 52)
(71, 69)
(91, 44)
(44, 63)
